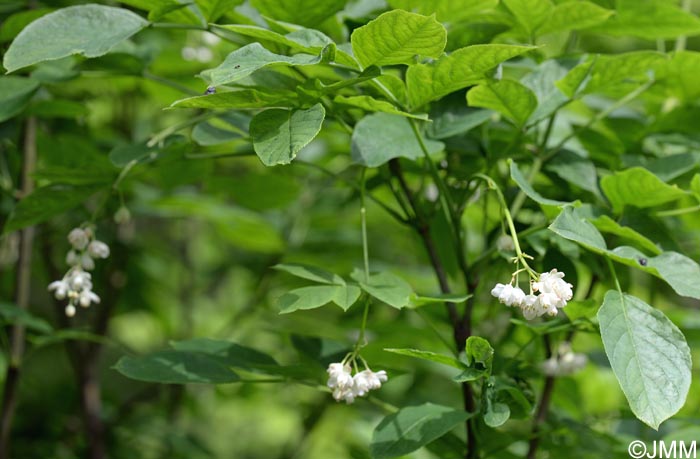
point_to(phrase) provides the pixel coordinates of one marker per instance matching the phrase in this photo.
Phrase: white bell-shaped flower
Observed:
(60, 289)
(86, 297)
(339, 376)
(98, 249)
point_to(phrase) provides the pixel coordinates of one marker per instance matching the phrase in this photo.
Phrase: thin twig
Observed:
(22, 291)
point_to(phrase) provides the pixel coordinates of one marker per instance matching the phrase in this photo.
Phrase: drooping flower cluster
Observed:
(76, 284)
(566, 362)
(554, 293)
(347, 387)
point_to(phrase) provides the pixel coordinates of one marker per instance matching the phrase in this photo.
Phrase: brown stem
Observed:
(22, 291)
(541, 416)
(543, 407)
(461, 327)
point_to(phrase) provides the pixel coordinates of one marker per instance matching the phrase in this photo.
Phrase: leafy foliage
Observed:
(419, 149)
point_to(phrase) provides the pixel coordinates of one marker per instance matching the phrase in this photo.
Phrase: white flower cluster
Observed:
(565, 363)
(553, 295)
(76, 284)
(348, 387)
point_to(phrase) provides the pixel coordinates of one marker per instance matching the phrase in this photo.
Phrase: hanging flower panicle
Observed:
(565, 362)
(76, 284)
(553, 293)
(348, 387)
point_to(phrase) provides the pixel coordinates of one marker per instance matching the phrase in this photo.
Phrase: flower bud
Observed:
(78, 238)
(122, 216)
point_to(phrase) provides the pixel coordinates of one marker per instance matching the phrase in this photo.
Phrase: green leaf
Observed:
(412, 427)
(309, 13)
(13, 25)
(241, 99)
(311, 273)
(650, 19)
(214, 9)
(89, 30)
(370, 104)
(431, 356)
(531, 14)
(608, 73)
(308, 297)
(608, 225)
(542, 81)
(397, 37)
(176, 367)
(309, 41)
(648, 354)
(246, 60)
(419, 300)
(451, 11)
(459, 69)
(12, 314)
(448, 123)
(574, 16)
(385, 287)
(575, 169)
(679, 271)
(570, 225)
(695, 185)
(15, 93)
(188, 14)
(680, 80)
(159, 12)
(670, 167)
(508, 97)
(638, 187)
(479, 354)
(278, 135)
(300, 39)
(226, 352)
(504, 398)
(478, 350)
(524, 185)
(495, 412)
(379, 137)
(46, 202)
(346, 296)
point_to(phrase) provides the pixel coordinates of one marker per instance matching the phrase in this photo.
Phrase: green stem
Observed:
(169, 25)
(509, 221)
(387, 407)
(681, 40)
(673, 212)
(363, 217)
(614, 275)
(361, 338)
(160, 136)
